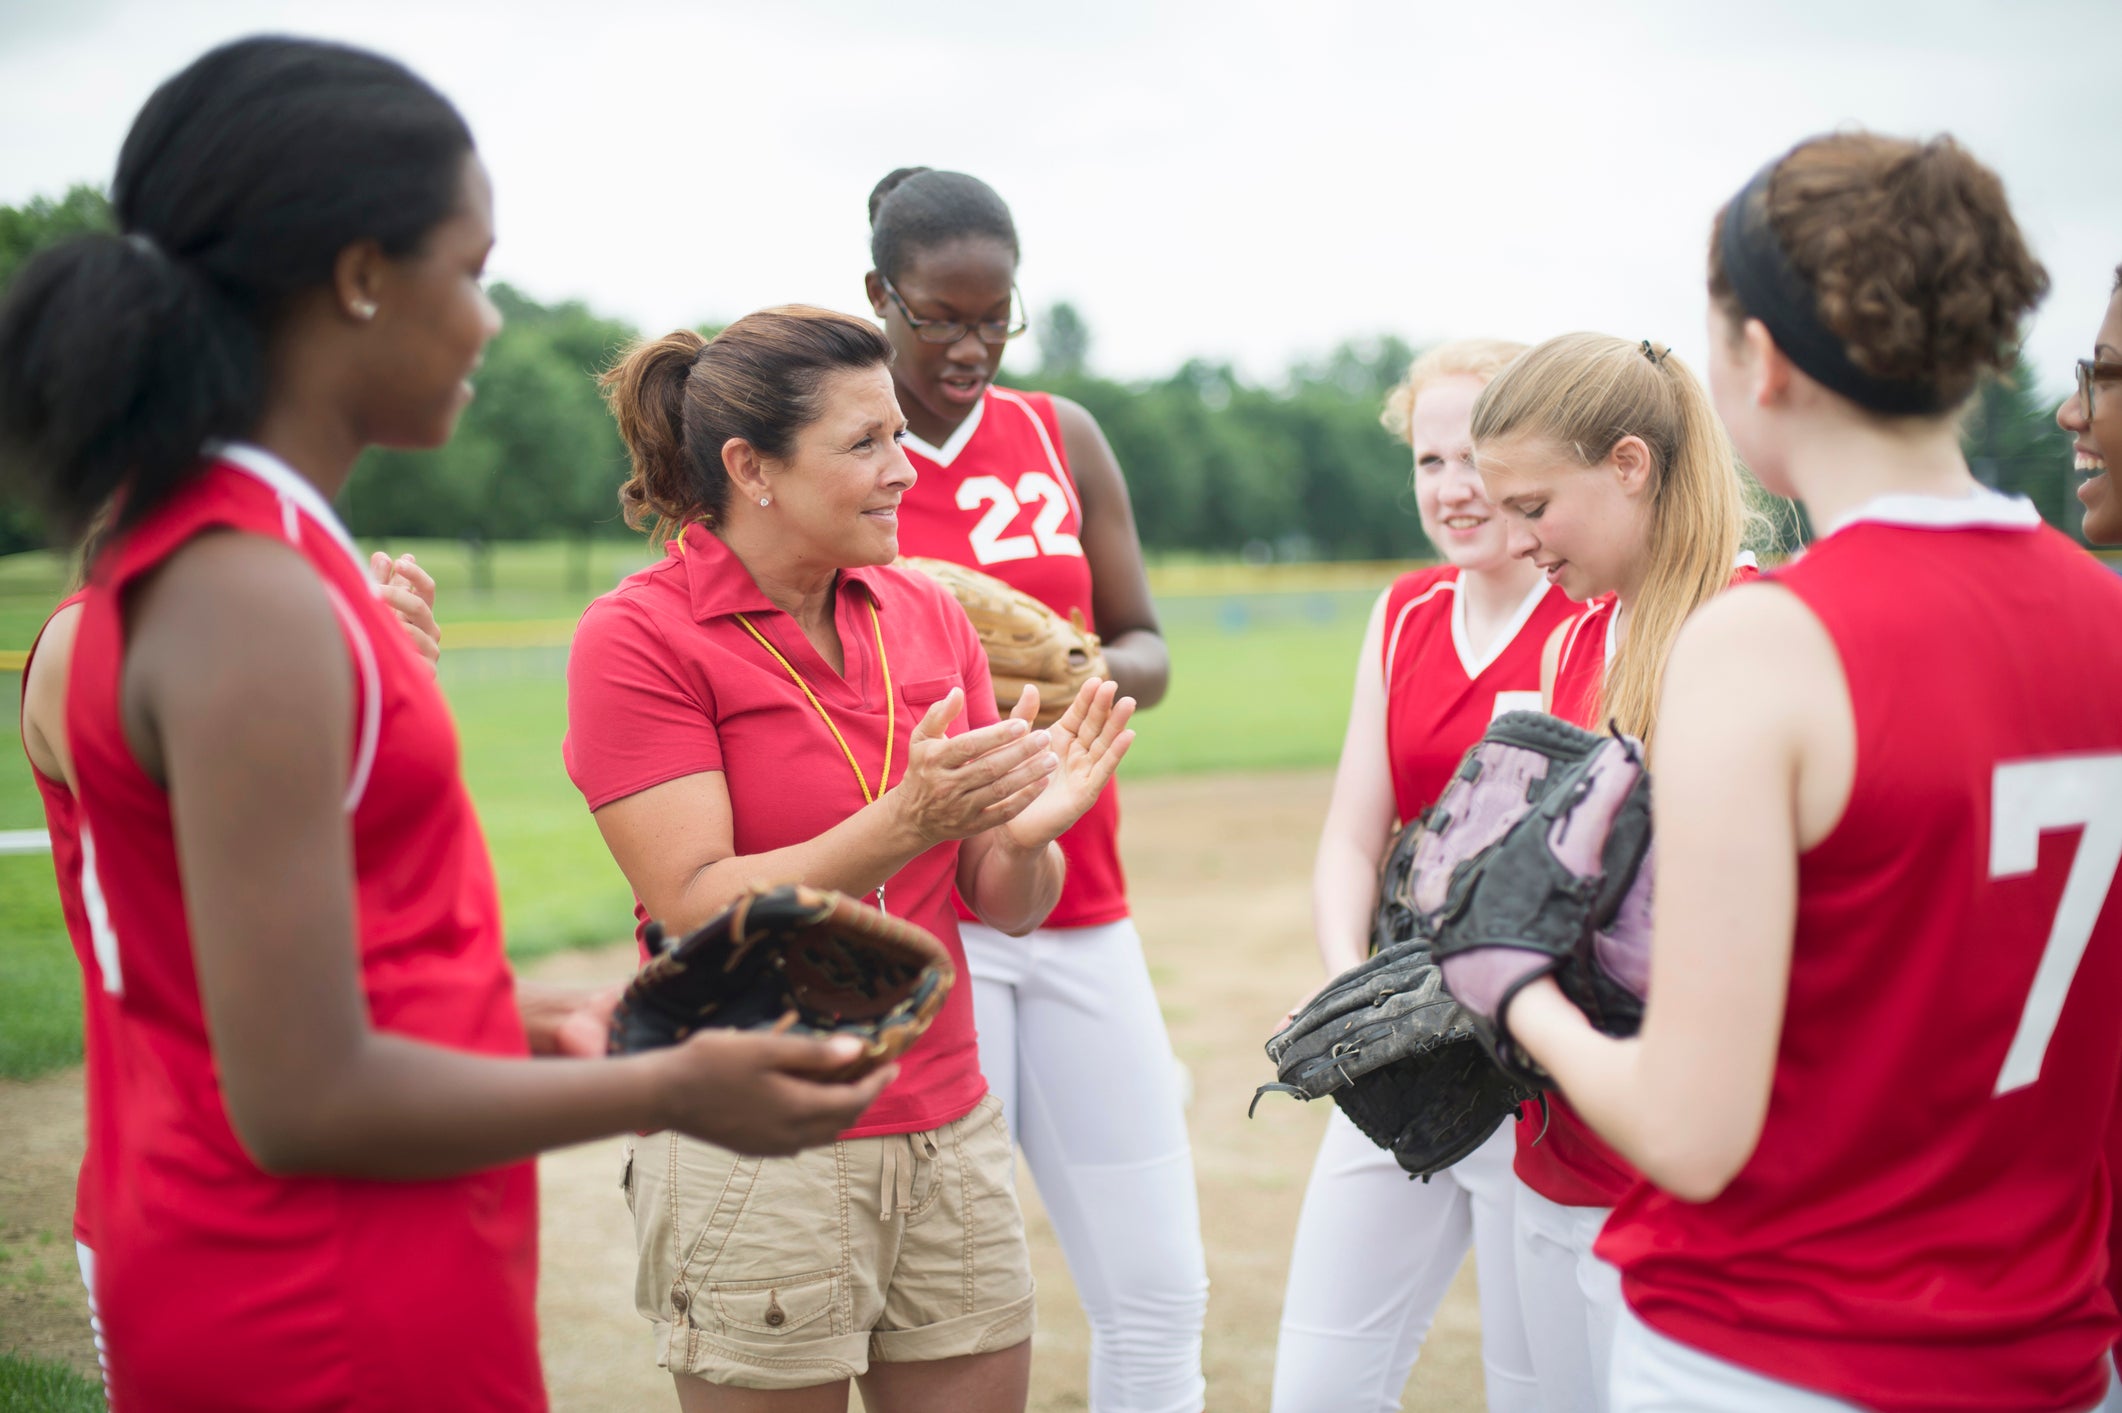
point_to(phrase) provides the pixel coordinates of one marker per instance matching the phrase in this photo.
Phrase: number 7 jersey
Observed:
(1923, 1224)
(999, 496)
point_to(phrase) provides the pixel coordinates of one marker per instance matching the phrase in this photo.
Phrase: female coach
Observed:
(769, 703)
(1023, 486)
(1873, 1081)
(1616, 480)
(315, 1079)
(1448, 649)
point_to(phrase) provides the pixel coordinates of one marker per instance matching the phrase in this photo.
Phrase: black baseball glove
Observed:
(805, 961)
(1393, 1049)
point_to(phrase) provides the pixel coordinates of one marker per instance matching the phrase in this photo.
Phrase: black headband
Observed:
(1771, 290)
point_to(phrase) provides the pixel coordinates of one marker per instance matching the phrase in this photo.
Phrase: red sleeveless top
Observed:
(1440, 696)
(62, 824)
(222, 1286)
(1571, 1164)
(1923, 1223)
(998, 496)
(1559, 1156)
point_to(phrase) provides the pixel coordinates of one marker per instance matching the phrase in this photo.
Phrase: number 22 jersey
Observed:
(998, 496)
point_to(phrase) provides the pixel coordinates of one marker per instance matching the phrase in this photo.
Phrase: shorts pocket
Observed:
(777, 1307)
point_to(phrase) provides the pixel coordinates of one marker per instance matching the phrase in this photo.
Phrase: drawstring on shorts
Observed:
(895, 1193)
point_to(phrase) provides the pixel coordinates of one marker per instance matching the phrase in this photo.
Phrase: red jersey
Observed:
(1570, 1164)
(664, 681)
(1439, 695)
(1559, 1156)
(998, 496)
(61, 823)
(1922, 1225)
(222, 1286)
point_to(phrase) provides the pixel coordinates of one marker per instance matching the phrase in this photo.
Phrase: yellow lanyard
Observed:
(891, 715)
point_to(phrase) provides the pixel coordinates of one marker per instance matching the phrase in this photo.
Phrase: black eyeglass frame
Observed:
(947, 331)
(2095, 370)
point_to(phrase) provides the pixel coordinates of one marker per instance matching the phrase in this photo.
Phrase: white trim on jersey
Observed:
(1569, 638)
(1476, 666)
(289, 485)
(371, 699)
(947, 453)
(1392, 641)
(1986, 508)
(1613, 625)
(103, 938)
(1053, 458)
(298, 498)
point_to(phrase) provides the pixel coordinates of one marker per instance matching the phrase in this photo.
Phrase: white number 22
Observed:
(990, 545)
(2028, 799)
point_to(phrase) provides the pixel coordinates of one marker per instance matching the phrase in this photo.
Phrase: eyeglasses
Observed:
(2095, 370)
(993, 331)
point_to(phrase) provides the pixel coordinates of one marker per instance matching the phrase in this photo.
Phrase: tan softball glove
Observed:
(1026, 641)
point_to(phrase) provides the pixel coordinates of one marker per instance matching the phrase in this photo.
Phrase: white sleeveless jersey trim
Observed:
(1474, 665)
(297, 499)
(1392, 641)
(1569, 636)
(1985, 509)
(262, 465)
(371, 699)
(1053, 458)
(103, 938)
(947, 453)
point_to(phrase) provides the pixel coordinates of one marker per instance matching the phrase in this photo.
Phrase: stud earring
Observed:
(765, 500)
(362, 309)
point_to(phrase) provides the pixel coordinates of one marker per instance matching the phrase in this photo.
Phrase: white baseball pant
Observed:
(1073, 1042)
(1374, 1254)
(1571, 1299)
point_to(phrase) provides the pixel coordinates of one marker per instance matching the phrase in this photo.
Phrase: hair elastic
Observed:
(1771, 289)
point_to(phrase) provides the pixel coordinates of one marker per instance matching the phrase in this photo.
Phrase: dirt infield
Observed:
(1218, 869)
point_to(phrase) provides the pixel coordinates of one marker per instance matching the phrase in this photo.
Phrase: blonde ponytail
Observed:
(1585, 392)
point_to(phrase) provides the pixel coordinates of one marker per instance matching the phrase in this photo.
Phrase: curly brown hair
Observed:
(1911, 251)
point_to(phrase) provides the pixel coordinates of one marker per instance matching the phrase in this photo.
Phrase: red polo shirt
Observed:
(664, 682)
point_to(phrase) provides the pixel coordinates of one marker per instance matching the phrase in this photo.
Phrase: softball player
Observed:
(1617, 482)
(1447, 650)
(1880, 996)
(1023, 487)
(401, 583)
(290, 911)
(2092, 416)
(2094, 420)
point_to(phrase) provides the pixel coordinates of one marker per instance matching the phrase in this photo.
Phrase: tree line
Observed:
(1295, 469)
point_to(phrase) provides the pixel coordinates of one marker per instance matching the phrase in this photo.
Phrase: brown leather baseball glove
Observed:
(1026, 641)
(807, 961)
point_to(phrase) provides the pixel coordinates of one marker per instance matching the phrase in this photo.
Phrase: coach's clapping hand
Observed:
(761, 1093)
(1087, 743)
(957, 786)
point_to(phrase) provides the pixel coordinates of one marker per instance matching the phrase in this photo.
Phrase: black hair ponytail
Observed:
(241, 181)
(919, 208)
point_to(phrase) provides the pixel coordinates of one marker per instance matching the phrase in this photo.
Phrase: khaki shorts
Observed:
(776, 1273)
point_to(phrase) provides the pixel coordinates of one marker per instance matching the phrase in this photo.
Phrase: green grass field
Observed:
(1260, 682)
(34, 1386)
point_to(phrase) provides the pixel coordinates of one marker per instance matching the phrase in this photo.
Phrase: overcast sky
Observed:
(1238, 180)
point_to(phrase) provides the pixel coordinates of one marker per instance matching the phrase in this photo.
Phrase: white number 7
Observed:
(2027, 799)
